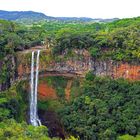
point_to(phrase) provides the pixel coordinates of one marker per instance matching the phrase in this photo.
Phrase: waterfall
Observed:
(34, 120)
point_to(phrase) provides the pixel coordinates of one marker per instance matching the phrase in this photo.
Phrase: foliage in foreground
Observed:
(129, 137)
(9, 129)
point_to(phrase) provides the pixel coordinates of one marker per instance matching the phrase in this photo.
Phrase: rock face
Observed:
(46, 92)
(80, 66)
(8, 72)
(18, 67)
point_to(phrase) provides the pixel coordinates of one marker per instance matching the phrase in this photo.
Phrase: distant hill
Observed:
(31, 17)
(23, 16)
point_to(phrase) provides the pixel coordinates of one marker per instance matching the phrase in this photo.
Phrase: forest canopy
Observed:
(104, 109)
(118, 40)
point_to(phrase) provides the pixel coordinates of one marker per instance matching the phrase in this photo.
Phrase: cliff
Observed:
(79, 65)
(17, 67)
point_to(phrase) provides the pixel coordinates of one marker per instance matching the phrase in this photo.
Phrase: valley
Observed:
(69, 79)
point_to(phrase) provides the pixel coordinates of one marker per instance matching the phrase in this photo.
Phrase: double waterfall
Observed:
(34, 119)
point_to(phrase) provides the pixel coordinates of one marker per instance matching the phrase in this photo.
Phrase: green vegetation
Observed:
(50, 105)
(13, 103)
(58, 83)
(129, 137)
(118, 40)
(11, 130)
(13, 115)
(100, 108)
(104, 109)
(14, 37)
(118, 43)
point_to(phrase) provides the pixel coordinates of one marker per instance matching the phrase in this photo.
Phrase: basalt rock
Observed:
(18, 67)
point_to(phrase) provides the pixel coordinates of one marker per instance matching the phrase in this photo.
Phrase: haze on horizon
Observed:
(76, 8)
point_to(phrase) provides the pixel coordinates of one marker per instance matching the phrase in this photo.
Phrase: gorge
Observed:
(72, 81)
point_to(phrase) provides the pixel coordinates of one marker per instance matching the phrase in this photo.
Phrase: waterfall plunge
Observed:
(34, 120)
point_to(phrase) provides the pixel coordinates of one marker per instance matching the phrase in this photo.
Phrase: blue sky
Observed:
(76, 8)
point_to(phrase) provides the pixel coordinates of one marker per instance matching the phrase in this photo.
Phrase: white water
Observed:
(34, 120)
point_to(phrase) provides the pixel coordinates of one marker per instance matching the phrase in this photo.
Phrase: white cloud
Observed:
(78, 8)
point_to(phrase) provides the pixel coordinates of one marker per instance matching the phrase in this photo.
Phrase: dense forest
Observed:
(104, 109)
(118, 40)
(100, 108)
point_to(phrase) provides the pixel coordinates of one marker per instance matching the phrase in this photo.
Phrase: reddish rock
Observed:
(127, 71)
(68, 89)
(46, 92)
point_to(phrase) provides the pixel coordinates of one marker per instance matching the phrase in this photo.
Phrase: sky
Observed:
(76, 8)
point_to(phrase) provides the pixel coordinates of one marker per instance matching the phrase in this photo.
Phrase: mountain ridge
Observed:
(31, 16)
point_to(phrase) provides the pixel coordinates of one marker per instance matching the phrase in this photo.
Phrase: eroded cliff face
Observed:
(78, 63)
